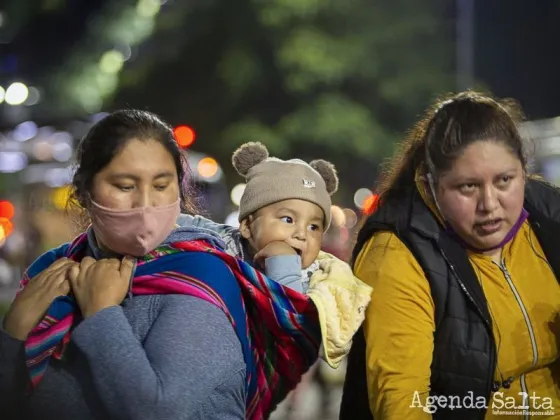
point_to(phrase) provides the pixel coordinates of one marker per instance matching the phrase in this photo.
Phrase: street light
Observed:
(16, 94)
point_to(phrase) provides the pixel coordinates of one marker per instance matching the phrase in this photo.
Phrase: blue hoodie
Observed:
(165, 357)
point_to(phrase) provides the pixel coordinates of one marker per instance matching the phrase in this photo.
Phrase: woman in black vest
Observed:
(462, 254)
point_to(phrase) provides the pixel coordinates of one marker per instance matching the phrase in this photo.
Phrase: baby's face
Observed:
(298, 223)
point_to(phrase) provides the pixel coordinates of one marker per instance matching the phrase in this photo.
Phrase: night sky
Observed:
(517, 52)
(516, 48)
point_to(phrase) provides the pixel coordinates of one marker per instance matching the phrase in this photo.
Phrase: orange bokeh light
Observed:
(184, 135)
(6, 228)
(370, 203)
(207, 167)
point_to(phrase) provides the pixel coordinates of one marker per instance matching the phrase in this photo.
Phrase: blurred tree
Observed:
(339, 79)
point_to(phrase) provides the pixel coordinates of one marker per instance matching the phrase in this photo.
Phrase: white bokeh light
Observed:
(361, 196)
(16, 94)
(237, 193)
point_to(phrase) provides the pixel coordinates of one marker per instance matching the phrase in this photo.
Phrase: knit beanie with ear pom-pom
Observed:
(270, 180)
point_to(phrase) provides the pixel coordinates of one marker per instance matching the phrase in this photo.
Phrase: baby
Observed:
(283, 213)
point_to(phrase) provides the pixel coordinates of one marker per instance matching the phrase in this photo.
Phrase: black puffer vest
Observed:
(464, 357)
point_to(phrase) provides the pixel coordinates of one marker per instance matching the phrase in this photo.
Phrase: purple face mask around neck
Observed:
(510, 235)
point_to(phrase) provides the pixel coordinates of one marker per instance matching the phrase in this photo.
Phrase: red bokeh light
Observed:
(184, 135)
(6, 209)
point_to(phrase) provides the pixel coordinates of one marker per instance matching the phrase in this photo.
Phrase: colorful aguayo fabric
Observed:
(278, 328)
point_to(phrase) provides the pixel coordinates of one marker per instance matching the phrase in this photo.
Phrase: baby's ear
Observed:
(328, 173)
(245, 228)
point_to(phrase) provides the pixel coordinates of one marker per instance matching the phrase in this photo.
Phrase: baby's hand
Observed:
(273, 249)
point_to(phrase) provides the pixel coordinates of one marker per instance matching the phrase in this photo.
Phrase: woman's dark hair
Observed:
(447, 128)
(107, 138)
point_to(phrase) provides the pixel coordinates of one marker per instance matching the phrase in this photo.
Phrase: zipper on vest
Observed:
(507, 276)
(523, 311)
(490, 379)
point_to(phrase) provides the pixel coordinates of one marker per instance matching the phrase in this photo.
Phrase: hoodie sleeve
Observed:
(13, 375)
(286, 270)
(13, 372)
(398, 327)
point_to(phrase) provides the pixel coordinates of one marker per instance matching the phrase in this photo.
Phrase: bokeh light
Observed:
(184, 135)
(207, 167)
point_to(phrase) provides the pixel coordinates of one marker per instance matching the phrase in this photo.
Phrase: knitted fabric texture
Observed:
(270, 180)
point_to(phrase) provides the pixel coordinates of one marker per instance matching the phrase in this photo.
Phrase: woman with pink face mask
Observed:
(138, 318)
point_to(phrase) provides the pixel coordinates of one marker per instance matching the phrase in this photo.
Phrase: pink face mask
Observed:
(136, 231)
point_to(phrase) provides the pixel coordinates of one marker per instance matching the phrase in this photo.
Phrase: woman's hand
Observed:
(30, 305)
(100, 284)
